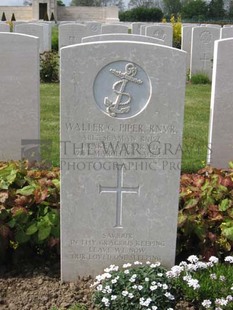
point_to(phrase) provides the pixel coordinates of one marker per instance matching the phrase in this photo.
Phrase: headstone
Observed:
(226, 32)
(186, 36)
(33, 30)
(47, 35)
(19, 93)
(202, 50)
(122, 37)
(114, 28)
(121, 133)
(143, 30)
(70, 34)
(93, 28)
(161, 32)
(136, 27)
(221, 125)
(4, 27)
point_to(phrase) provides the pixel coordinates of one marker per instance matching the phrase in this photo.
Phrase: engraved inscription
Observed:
(120, 189)
(206, 37)
(120, 106)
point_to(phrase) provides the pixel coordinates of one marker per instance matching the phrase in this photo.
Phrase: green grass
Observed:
(196, 123)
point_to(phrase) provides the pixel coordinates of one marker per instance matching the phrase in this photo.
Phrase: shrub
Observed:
(49, 67)
(205, 223)
(142, 14)
(133, 287)
(29, 208)
(200, 78)
(176, 24)
(55, 44)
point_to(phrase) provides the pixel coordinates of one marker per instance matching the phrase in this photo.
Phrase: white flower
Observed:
(170, 309)
(169, 296)
(126, 271)
(193, 283)
(131, 295)
(105, 301)
(222, 278)
(229, 259)
(113, 297)
(157, 264)
(229, 298)
(114, 280)
(221, 302)
(165, 287)
(148, 263)
(213, 276)
(111, 268)
(127, 265)
(125, 293)
(153, 287)
(174, 272)
(193, 259)
(147, 279)
(213, 259)
(140, 287)
(154, 308)
(135, 286)
(137, 263)
(160, 274)
(206, 303)
(107, 289)
(99, 287)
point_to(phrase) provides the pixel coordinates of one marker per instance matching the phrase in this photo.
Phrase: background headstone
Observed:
(202, 50)
(226, 32)
(221, 125)
(70, 34)
(4, 27)
(161, 32)
(114, 28)
(122, 37)
(121, 127)
(19, 93)
(36, 30)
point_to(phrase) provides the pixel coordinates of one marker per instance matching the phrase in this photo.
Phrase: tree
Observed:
(216, 9)
(194, 9)
(60, 3)
(143, 3)
(118, 3)
(27, 2)
(172, 6)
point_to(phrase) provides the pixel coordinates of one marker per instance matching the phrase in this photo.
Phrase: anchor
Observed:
(119, 106)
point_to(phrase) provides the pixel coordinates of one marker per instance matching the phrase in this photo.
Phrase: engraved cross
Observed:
(120, 189)
(205, 59)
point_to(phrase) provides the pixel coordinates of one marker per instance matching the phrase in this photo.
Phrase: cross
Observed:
(120, 189)
(204, 60)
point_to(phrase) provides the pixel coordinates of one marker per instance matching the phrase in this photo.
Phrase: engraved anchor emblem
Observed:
(119, 106)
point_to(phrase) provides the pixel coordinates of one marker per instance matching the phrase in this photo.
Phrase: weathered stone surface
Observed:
(121, 131)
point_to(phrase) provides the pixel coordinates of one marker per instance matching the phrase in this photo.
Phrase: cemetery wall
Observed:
(21, 12)
(101, 14)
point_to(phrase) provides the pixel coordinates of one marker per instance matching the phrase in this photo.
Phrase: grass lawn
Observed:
(196, 123)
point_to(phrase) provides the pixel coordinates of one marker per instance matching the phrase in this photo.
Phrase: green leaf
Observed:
(227, 230)
(21, 237)
(56, 182)
(32, 229)
(27, 190)
(8, 175)
(55, 231)
(231, 164)
(44, 232)
(11, 223)
(224, 205)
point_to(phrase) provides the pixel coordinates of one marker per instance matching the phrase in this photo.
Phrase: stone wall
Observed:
(21, 12)
(101, 14)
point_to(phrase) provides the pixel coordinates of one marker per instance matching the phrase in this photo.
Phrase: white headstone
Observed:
(221, 125)
(161, 32)
(186, 36)
(121, 133)
(114, 28)
(226, 33)
(136, 27)
(202, 50)
(70, 34)
(122, 37)
(19, 93)
(93, 28)
(36, 30)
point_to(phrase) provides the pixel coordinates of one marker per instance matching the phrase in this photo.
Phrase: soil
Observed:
(37, 286)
